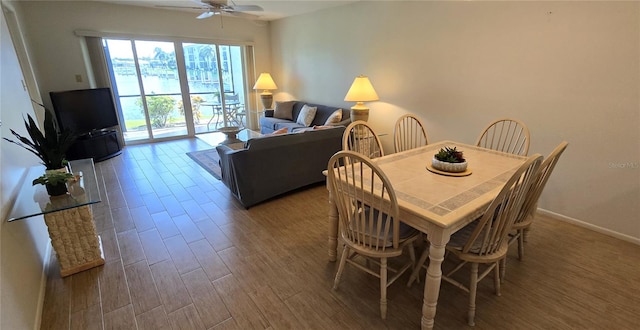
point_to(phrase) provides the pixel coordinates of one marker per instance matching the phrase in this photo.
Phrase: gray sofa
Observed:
(275, 164)
(269, 124)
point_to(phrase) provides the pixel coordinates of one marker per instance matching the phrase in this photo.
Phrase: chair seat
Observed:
(407, 234)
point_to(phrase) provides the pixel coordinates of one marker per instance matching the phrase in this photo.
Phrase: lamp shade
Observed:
(361, 90)
(265, 82)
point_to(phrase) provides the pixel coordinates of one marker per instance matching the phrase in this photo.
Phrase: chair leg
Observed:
(415, 275)
(473, 286)
(412, 256)
(219, 119)
(496, 276)
(383, 288)
(503, 270)
(526, 234)
(343, 261)
(521, 243)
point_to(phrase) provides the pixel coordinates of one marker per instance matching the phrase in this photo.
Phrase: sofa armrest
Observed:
(344, 123)
(227, 168)
(269, 112)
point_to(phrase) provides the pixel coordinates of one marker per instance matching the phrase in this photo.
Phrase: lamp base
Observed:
(267, 100)
(359, 113)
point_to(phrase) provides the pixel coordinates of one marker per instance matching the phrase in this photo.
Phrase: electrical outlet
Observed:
(78, 78)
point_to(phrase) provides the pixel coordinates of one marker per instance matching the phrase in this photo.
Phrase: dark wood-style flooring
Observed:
(182, 254)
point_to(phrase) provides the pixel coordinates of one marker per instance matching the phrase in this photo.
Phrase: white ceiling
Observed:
(273, 9)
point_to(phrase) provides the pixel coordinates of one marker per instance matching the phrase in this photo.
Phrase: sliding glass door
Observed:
(215, 78)
(172, 89)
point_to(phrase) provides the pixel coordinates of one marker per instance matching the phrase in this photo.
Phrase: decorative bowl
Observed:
(448, 167)
(229, 129)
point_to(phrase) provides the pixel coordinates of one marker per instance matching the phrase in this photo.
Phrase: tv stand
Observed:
(99, 145)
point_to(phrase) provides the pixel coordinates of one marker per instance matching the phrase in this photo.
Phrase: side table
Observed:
(231, 133)
(68, 217)
(75, 240)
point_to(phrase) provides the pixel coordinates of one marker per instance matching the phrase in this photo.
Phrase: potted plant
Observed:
(449, 160)
(50, 146)
(54, 181)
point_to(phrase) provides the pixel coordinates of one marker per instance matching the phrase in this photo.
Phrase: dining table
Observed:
(438, 203)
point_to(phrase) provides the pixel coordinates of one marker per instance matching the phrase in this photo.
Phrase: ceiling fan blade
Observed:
(247, 8)
(206, 14)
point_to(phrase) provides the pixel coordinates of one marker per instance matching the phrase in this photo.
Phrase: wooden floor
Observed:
(182, 254)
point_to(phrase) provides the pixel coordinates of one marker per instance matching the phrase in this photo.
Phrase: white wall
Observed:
(58, 54)
(569, 70)
(24, 243)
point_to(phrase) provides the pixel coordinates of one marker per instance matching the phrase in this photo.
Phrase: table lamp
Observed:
(265, 82)
(361, 91)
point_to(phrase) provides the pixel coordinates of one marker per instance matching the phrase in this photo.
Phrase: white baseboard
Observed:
(43, 286)
(587, 225)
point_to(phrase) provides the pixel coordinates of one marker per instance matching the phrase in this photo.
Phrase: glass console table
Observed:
(68, 217)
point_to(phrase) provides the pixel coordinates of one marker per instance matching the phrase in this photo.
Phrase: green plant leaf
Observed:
(50, 147)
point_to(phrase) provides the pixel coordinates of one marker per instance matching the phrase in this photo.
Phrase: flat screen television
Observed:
(84, 110)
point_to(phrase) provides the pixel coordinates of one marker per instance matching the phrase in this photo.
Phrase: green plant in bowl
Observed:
(449, 160)
(54, 181)
(450, 155)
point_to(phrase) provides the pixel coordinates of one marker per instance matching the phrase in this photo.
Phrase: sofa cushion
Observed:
(271, 123)
(284, 110)
(324, 112)
(335, 118)
(291, 126)
(306, 115)
(292, 139)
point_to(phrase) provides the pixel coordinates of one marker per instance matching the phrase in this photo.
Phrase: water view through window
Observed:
(146, 80)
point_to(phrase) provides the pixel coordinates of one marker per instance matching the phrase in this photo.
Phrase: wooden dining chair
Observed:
(369, 225)
(527, 213)
(506, 135)
(409, 133)
(360, 137)
(486, 240)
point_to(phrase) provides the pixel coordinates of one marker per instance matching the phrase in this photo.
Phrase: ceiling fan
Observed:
(221, 7)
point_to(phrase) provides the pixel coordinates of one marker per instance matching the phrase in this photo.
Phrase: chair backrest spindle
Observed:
(361, 138)
(533, 195)
(491, 231)
(506, 135)
(366, 202)
(409, 133)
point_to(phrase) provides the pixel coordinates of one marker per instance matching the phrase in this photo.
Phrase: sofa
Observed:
(271, 122)
(272, 165)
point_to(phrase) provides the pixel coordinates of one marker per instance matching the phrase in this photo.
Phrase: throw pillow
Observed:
(335, 118)
(306, 115)
(284, 110)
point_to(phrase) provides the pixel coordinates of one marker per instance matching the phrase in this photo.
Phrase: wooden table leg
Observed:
(432, 284)
(333, 228)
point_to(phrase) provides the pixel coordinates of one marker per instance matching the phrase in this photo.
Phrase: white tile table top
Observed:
(445, 200)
